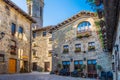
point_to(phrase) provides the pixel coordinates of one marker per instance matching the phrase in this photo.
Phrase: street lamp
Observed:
(2, 34)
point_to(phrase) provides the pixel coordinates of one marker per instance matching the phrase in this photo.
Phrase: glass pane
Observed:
(89, 62)
(76, 62)
(20, 30)
(94, 62)
(68, 63)
(64, 63)
(81, 62)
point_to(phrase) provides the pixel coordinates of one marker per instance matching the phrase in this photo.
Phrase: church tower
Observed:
(35, 10)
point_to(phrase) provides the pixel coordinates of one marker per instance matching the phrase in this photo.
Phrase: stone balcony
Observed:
(82, 34)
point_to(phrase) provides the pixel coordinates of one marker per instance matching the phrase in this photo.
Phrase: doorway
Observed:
(34, 66)
(12, 66)
(47, 66)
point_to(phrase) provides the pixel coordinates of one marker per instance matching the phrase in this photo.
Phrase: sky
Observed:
(56, 11)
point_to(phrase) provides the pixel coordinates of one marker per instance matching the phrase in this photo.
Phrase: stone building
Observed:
(76, 43)
(116, 53)
(15, 38)
(42, 49)
(35, 9)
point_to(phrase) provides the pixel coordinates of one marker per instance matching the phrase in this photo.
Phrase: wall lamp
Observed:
(2, 34)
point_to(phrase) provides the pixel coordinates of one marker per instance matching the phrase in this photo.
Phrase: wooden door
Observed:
(12, 66)
(34, 66)
(47, 66)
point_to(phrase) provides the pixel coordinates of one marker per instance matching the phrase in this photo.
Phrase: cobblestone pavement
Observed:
(37, 76)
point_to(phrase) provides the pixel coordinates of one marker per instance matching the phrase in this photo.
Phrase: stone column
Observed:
(71, 66)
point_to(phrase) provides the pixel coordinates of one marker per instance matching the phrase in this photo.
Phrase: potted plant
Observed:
(83, 67)
(99, 69)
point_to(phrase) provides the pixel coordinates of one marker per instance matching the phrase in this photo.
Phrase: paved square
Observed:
(37, 76)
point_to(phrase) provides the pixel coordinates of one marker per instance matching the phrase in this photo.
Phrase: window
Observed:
(41, 11)
(44, 33)
(1, 57)
(113, 66)
(20, 30)
(34, 34)
(78, 64)
(13, 47)
(34, 53)
(65, 49)
(66, 65)
(77, 47)
(13, 29)
(91, 46)
(91, 65)
(84, 26)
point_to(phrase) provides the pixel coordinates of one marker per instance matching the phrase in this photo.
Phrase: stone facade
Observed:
(14, 48)
(67, 35)
(116, 53)
(35, 9)
(42, 49)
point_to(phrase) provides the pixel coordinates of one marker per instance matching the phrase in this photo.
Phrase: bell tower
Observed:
(35, 10)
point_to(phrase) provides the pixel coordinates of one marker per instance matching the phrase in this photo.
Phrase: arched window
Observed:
(83, 26)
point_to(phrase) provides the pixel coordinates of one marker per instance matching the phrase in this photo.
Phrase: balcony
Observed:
(85, 33)
(77, 50)
(65, 51)
(13, 51)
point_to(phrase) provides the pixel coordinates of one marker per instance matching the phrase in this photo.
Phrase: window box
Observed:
(83, 34)
(77, 50)
(65, 51)
(90, 48)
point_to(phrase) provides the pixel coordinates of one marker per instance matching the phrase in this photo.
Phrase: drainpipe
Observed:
(30, 56)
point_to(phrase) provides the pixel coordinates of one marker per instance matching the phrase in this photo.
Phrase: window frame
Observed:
(13, 29)
(44, 33)
(19, 30)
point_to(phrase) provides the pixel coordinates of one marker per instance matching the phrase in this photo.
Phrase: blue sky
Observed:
(56, 11)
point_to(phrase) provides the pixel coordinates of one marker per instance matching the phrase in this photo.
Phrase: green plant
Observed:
(79, 70)
(78, 50)
(91, 48)
(99, 67)
(79, 36)
(65, 51)
(97, 23)
(86, 35)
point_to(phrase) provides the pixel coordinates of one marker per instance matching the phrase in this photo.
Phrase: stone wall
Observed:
(9, 15)
(115, 60)
(67, 36)
(35, 8)
(42, 48)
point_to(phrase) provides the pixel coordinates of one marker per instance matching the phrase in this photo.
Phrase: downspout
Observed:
(30, 56)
